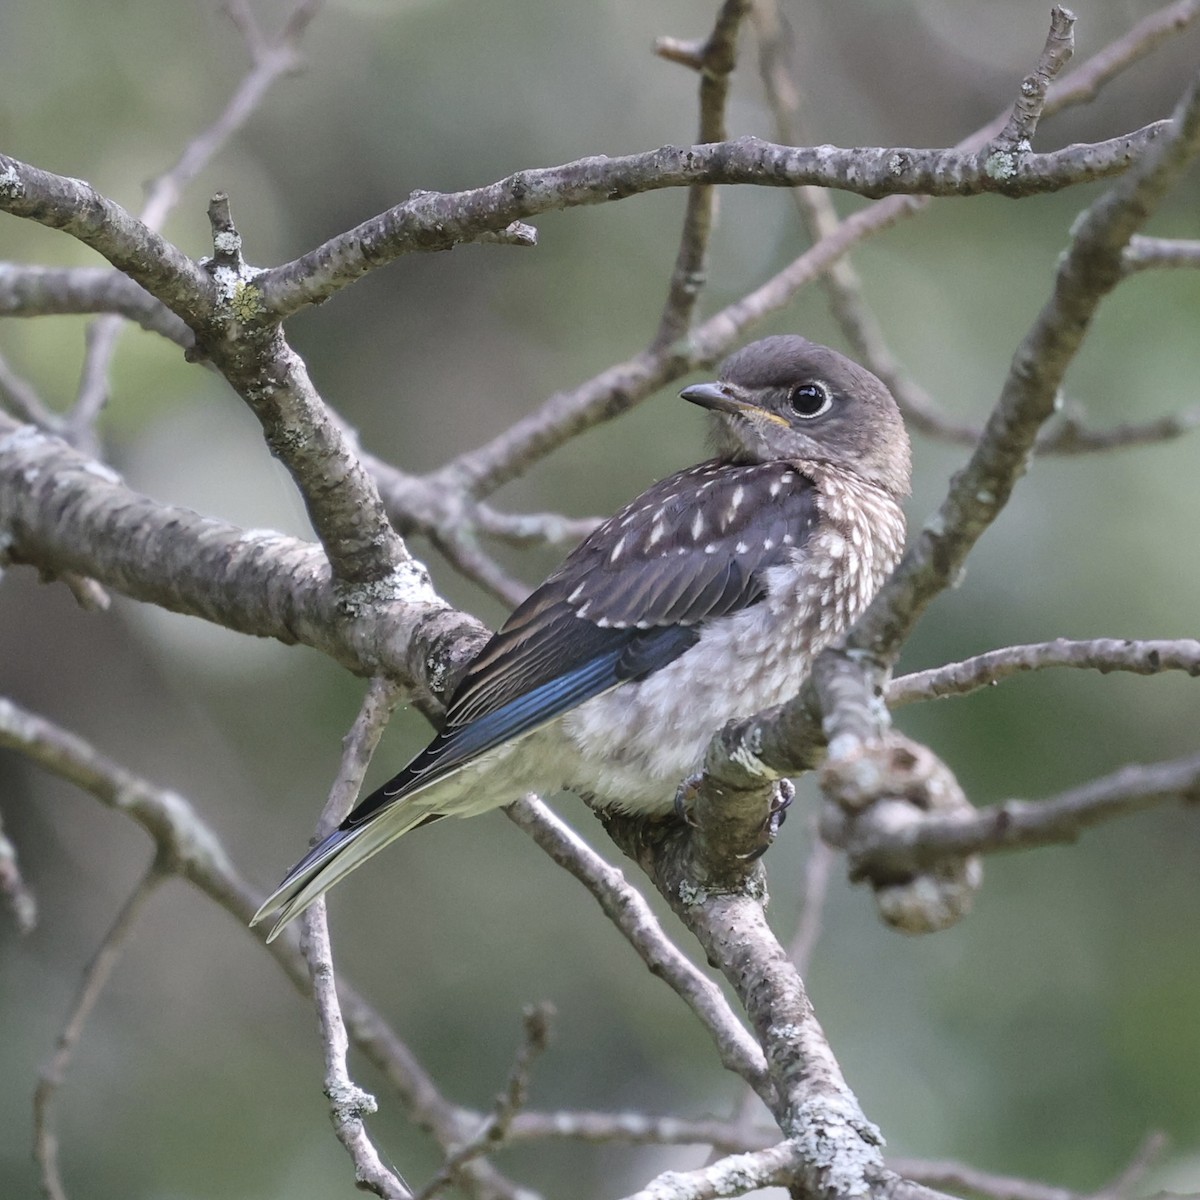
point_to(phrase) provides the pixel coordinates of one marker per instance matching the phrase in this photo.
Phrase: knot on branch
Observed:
(883, 790)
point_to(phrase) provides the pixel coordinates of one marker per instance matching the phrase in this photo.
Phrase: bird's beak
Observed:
(724, 397)
(711, 395)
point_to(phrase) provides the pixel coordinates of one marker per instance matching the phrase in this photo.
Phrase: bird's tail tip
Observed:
(324, 865)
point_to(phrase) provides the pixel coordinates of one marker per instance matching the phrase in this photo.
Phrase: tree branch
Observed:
(1027, 111)
(271, 60)
(348, 1103)
(1154, 253)
(1097, 654)
(884, 846)
(439, 221)
(33, 291)
(14, 891)
(494, 1132)
(66, 512)
(625, 906)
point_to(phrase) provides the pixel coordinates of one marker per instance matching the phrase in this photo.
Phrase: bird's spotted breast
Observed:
(633, 745)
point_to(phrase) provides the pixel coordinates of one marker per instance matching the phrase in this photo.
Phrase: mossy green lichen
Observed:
(246, 302)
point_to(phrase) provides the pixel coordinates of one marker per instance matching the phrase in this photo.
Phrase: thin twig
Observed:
(1156, 253)
(22, 400)
(1027, 111)
(19, 900)
(818, 874)
(494, 1132)
(95, 977)
(878, 848)
(462, 551)
(959, 1177)
(639, 1129)
(27, 290)
(1096, 654)
(348, 1103)
(526, 529)
(625, 906)
(736, 1175)
(1144, 1158)
(270, 61)
(714, 59)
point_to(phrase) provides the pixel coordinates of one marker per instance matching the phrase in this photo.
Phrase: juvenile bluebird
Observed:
(705, 599)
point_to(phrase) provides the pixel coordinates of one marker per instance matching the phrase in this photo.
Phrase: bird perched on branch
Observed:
(704, 599)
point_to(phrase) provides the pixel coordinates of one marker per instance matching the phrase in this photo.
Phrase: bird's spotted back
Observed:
(692, 547)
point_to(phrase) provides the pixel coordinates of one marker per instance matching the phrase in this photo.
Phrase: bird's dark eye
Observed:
(810, 400)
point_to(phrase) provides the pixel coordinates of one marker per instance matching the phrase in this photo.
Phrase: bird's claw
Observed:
(783, 792)
(685, 793)
(782, 795)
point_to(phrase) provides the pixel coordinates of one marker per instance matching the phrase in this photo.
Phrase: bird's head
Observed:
(788, 398)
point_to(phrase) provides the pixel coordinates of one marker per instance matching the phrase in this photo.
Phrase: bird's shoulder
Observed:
(691, 548)
(713, 508)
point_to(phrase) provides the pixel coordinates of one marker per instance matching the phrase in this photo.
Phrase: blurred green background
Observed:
(1045, 1035)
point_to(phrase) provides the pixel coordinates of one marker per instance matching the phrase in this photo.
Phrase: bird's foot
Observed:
(685, 793)
(783, 792)
(782, 795)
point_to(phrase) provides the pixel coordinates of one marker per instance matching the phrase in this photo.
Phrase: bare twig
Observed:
(271, 60)
(887, 847)
(348, 1103)
(959, 1177)
(525, 529)
(1027, 111)
(1154, 253)
(1084, 83)
(1097, 654)
(733, 1176)
(72, 513)
(714, 59)
(818, 874)
(495, 1130)
(462, 551)
(22, 400)
(439, 221)
(33, 291)
(98, 973)
(1144, 1158)
(17, 897)
(625, 906)
(638, 1128)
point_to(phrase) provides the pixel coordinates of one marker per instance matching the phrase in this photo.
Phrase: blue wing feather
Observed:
(630, 654)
